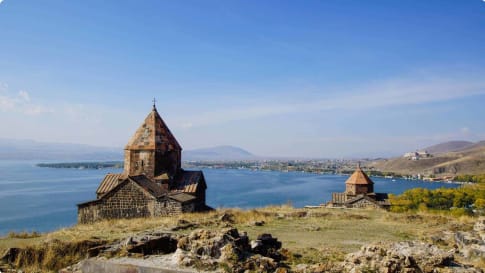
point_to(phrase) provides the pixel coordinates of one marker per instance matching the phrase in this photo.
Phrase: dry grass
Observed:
(310, 236)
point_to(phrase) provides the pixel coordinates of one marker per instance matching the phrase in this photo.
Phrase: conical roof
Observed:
(359, 178)
(153, 134)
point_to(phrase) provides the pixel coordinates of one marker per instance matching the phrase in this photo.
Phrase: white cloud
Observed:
(20, 103)
(187, 125)
(465, 131)
(395, 92)
(6, 104)
(24, 95)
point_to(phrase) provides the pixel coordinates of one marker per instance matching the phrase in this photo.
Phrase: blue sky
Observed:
(334, 78)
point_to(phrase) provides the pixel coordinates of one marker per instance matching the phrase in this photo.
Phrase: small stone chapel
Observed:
(359, 193)
(152, 183)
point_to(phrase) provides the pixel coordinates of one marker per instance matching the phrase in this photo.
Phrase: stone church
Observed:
(152, 183)
(359, 193)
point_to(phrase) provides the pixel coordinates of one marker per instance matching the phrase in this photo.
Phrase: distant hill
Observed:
(29, 149)
(217, 153)
(12, 149)
(450, 146)
(451, 158)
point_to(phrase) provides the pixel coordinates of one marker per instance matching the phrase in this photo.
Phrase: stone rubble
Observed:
(408, 257)
(228, 250)
(472, 244)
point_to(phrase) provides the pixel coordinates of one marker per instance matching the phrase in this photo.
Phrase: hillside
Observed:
(217, 153)
(450, 146)
(470, 159)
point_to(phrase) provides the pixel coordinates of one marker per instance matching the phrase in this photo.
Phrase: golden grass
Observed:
(309, 235)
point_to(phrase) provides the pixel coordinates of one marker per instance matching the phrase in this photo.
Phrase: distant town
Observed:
(324, 166)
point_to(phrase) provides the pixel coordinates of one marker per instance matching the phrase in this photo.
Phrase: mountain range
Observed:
(217, 153)
(13, 149)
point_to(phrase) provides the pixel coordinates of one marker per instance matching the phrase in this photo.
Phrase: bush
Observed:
(458, 202)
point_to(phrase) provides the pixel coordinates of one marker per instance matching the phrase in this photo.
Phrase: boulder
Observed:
(227, 217)
(147, 243)
(479, 228)
(410, 257)
(472, 244)
(209, 243)
(9, 255)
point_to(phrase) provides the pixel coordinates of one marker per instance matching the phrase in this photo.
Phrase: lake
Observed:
(44, 199)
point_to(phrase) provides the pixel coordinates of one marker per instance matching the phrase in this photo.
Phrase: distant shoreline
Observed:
(119, 165)
(83, 165)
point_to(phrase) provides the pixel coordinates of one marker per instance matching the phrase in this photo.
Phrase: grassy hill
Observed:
(310, 236)
(470, 159)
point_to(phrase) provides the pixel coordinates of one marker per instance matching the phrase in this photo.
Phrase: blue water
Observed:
(44, 199)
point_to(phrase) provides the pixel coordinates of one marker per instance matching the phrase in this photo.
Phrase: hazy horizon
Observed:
(325, 79)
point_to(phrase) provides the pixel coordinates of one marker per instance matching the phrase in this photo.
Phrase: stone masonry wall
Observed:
(167, 207)
(140, 162)
(130, 201)
(364, 203)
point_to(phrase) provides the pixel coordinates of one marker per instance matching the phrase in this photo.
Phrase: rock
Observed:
(466, 238)
(10, 255)
(227, 217)
(281, 270)
(153, 244)
(480, 224)
(472, 244)
(256, 263)
(95, 251)
(266, 245)
(183, 225)
(479, 227)
(230, 249)
(410, 257)
(258, 223)
(209, 243)
(129, 241)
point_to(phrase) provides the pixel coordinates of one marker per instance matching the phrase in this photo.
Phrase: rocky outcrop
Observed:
(409, 257)
(226, 250)
(472, 244)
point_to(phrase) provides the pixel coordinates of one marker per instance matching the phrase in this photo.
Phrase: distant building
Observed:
(417, 155)
(152, 182)
(359, 193)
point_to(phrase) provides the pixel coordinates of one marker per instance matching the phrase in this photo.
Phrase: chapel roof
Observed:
(153, 134)
(110, 181)
(187, 181)
(148, 185)
(359, 177)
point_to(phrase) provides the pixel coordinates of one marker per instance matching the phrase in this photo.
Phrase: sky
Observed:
(326, 79)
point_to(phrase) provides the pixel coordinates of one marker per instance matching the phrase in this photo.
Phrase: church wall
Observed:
(350, 189)
(167, 162)
(363, 203)
(127, 202)
(140, 162)
(167, 207)
(131, 201)
(88, 213)
(358, 189)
